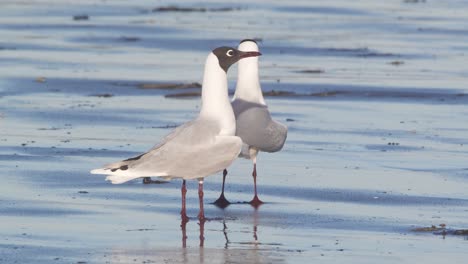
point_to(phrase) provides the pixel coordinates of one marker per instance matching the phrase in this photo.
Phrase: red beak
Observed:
(246, 54)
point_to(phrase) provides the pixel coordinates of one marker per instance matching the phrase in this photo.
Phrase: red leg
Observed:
(256, 202)
(202, 232)
(183, 212)
(183, 226)
(201, 214)
(222, 201)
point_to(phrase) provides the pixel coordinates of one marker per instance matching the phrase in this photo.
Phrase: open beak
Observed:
(246, 54)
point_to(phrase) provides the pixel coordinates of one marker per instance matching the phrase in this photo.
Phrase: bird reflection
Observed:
(225, 234)
(243, 249)
(255, 225)
(201, 225)
(183, 227)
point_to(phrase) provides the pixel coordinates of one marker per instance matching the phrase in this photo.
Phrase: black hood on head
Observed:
(227, 56)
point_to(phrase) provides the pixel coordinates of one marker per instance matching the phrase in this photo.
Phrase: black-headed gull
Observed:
(198, 148)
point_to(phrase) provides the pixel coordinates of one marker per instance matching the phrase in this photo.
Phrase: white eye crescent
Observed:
(230, 53)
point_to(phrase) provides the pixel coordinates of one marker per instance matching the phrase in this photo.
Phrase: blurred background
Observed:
(374, 94)
(324, 44)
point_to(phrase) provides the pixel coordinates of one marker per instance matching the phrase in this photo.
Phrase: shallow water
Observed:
(377, 141)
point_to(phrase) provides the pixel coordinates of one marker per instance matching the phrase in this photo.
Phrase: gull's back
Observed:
(256, 128)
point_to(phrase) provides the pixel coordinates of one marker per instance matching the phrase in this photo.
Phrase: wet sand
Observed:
(374, 96)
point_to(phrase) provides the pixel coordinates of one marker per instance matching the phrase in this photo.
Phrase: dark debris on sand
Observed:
(278, 93)
(396, 63)
(414, 1)
(80, 17)
(104, 95)
(441, 230)
(152, 127)
(169, 86)
(41, 79)
(129, 39)
(173, 8)
(316, 71)
(7, 48)
(183, 95)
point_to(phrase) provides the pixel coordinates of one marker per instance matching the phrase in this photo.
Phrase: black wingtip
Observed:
(123, 167)
(135, 158)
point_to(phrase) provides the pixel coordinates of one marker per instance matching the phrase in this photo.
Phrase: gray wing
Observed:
(131, 161)
(256, 128)
(192, 150)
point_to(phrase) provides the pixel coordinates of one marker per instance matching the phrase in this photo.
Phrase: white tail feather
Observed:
(118, 179)
(100, 171)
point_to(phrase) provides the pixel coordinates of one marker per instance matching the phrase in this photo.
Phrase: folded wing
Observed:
(256, 128)
(192, 150)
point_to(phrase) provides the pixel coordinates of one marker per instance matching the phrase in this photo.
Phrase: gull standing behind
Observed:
(254, 125)
(198, 148)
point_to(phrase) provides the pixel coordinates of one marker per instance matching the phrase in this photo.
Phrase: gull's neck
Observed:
(215, 98)
(248, 84)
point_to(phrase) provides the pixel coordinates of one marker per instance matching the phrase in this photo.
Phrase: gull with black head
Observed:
(198, 148)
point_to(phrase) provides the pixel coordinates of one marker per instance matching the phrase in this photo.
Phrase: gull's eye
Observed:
(230, 53)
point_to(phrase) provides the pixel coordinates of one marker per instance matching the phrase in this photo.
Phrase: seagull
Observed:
(254, 125)
(198, 148)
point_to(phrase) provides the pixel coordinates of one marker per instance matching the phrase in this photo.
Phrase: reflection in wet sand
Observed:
(255, 226)
(188, 254)
(183, 227)
(225, 234)
(254, 232)
(201, 224)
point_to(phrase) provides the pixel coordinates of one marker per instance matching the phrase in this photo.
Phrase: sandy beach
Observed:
(374, 169)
